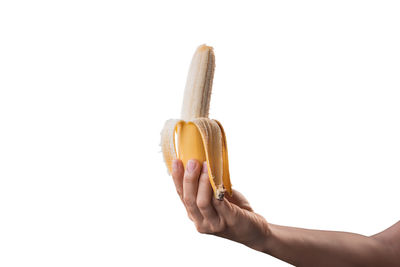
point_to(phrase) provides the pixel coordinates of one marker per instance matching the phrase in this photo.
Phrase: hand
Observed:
(231, 218)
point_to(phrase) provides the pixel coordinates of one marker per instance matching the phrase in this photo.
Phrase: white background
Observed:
(307, 91)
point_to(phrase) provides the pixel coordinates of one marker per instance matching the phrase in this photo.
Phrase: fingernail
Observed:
(191, 165)
(204, 169)
(175, 165)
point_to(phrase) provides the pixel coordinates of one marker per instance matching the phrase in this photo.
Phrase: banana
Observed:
(195, 136)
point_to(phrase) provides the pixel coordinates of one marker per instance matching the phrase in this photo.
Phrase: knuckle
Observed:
(189, 177)
(202, 203)
(202, 230)
(204, 177)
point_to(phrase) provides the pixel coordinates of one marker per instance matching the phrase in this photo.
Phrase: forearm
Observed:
(303, 247)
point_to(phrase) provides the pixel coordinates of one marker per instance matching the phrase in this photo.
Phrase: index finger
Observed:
(177, 176)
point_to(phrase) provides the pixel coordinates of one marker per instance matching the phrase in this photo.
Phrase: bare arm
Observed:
(234, 219)
(303, 247)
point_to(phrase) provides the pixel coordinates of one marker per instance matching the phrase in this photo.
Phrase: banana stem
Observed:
(196, 99)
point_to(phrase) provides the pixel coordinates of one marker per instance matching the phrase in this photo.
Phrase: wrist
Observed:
(261, 243)
(269, 240)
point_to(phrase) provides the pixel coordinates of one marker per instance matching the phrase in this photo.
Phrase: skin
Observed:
(234, 219)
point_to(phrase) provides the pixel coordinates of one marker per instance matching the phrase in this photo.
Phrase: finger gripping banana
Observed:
(195, 136)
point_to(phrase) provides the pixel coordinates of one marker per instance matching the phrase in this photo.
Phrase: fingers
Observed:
(204, 197)
(209, 214)
(190, 186)
(177, 176)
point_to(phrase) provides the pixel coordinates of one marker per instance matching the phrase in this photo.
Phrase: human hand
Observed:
(231, 217)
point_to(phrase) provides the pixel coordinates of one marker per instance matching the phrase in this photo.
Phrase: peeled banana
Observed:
(196, 136)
